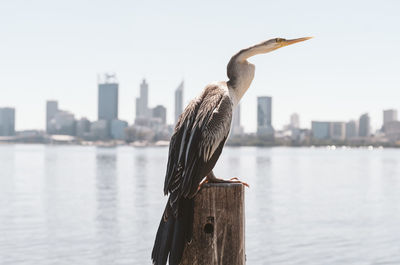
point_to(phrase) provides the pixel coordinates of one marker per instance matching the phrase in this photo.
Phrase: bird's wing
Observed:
(177, 146)
(197, 142)
(206, 137)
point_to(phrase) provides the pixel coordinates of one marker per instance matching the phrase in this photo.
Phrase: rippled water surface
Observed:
(87, 205)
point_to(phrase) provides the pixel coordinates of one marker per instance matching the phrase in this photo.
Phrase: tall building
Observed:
(389, 116)
(51, 110)
(178, 101)
(338, 130)
(321, 130)
(264, 116)
(351, 130)
(237, 128)
(7, 121)
(160, 112)
(364, 125)
(294, 121)
(142, 102)
(108, 98)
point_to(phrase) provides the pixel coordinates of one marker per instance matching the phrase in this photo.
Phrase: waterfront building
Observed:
(351, 130)
(7, 121)
(63, 122)
(118, 129)
(337, 130)
(178, 101)
(364, 126)
(321, 130)
(108, 98)
(389, 116)
(160, 112)
(264, 117)
(83, 128)
(99, 130)
(139, 133)
(59, 121)
(51, 110)
(392, 131)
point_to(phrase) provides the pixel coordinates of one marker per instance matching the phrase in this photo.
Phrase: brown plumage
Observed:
(202, 129)
(195, 147)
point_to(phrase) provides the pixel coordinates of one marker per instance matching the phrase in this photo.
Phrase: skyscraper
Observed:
(364, 125)
(108, 98)
(51, 111)
(264, 116)
(142, 102)
(351, 129)
(389, 116)
(178, 101)
(7, 121)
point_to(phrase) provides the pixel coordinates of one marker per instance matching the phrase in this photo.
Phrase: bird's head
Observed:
(274, 44)
(241, 72)
(267, 46)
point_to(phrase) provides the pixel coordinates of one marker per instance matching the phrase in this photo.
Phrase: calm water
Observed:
(88, 205)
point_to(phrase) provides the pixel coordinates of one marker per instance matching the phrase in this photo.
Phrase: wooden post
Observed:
(218, 226)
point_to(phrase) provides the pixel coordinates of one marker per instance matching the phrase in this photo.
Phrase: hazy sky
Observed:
(55, 49)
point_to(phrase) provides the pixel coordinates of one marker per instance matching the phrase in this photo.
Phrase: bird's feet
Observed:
(232, 180)
(211, 178)
(204, 181)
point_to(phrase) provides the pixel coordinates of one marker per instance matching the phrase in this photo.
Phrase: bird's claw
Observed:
(216, 180)
(236, 180)
(241, 182)
(202, 183)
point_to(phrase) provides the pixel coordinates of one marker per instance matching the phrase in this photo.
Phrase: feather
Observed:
(195, 147)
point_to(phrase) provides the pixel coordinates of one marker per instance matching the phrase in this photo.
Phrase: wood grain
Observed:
(218, 227)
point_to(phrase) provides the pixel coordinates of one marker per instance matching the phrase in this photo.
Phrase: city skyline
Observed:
(376, 124)
(108, 105)
(150, 123)
(49, 56)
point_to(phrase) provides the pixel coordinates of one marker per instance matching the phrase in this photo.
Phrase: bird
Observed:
(195, 146)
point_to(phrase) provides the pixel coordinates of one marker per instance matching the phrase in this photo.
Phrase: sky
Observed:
(55, 50)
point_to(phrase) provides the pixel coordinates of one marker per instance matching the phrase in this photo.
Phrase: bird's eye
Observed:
(279, 40)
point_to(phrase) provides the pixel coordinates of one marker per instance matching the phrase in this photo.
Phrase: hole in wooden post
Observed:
(209, 228)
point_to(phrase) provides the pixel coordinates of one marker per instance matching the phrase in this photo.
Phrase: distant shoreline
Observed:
(269, 145)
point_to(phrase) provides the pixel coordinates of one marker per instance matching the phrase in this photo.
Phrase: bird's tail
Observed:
(173, 233)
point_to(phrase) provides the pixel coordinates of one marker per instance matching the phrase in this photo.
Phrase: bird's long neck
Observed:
(241, 74)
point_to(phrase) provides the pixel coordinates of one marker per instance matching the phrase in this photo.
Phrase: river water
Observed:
(89, 205)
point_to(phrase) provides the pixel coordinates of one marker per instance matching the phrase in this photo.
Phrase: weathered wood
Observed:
(218, 227)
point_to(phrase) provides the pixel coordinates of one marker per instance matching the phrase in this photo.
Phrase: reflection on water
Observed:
(87, 205)
(107, 206)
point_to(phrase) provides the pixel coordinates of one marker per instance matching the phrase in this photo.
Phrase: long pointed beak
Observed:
(290, 42)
